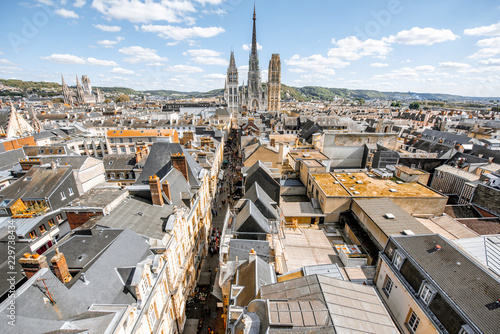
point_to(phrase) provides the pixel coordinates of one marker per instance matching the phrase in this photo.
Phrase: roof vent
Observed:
(356, 192)
(343, 180)
(408, 232)
(352, 188)
(437, 248)
(359, 182)
(399, 182)
(393, 190)
(335, 182)
(389, 216)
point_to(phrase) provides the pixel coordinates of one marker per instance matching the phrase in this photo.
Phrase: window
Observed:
(388, 286)
(70, 190)
(42, 229)
(413, 322)
(152, 316)
(398, 259)
(466, 330)
(51, 222)
(63, 195)
(59, 217)
(123, 149)
(32, 235)
(426, 293)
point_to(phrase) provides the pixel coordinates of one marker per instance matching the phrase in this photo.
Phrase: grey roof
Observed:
(350, 307)
(240, 248)
(9, 159)
(448, 138)
(251, 220)
(140, 216)
(159, 163)
(466, 283)
(262, 200)
(376, 208)
(121, 162)
(43, 182)
(253, 275)
(20, 249)
(97, 197)
(331, 270)
(76, 162)
(261, 174)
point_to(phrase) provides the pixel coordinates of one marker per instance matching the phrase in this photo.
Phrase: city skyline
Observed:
(445, 47)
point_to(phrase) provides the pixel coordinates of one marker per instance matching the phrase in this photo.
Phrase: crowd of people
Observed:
(214, 241)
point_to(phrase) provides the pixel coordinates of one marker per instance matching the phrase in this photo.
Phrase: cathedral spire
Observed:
(254, 35)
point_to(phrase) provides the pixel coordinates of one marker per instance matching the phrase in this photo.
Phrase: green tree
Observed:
(122, 98)
(414, 105)
(57, 100)
(107, 101)
(361, 101)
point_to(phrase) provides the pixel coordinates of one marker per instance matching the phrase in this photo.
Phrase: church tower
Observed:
(232, 90)
(87, 87)
(274, 84)
(80, 98)
(68, 98)
(254, 83)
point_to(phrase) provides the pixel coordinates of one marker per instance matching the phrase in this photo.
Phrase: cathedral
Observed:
(253, 97)
(83, 92)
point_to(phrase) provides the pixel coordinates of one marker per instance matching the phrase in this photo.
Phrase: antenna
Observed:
(47, 290)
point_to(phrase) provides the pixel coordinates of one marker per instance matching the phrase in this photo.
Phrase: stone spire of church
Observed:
(68, 99)
(254, 34)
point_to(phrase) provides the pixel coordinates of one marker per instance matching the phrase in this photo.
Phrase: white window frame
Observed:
(389, 284)
(398, 259)
(426, 292)
(152, 313)
(70, 191)
(63, 196)
(413, 325)
(466, 330)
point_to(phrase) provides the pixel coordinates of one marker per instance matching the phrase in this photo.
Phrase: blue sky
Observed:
(439, 46)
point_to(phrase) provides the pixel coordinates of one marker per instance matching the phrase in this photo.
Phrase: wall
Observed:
(422, 205)
(346, 156)
(262, 154)
(487, 198)
(78, 219)
(374, 231)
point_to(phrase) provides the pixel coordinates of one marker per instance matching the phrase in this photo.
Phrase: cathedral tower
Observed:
(68, 98)
(274, 84)
(232, 91)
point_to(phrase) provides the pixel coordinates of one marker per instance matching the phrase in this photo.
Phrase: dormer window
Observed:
(398, 259)
(426, 292)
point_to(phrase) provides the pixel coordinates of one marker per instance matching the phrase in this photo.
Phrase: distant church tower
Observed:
(232, 91)
(87, 87)
(80, 98)
(68, 98)
(274, 84)
(255, 100)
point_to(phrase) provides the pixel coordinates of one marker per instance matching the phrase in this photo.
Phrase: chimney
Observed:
(273, 142)
(437, 248)
(53, 165)
(32, 263)
(179, 163)
(252, 256)
(60, 267)
(26, 164)
(155, 188)
(166, 190)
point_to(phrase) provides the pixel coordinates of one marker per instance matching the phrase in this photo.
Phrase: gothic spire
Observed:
(254, 35)
(232, 62)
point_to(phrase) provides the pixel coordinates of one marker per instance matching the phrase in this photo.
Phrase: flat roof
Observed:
(370, 186)
(307, 155)
(141, 133)
(312, 163)
(327, 183)
(458, 172)
(409, 170)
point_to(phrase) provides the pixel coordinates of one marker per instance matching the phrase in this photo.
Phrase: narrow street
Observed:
(201, 311)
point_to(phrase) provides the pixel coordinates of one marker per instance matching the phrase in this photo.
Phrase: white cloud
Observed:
(141, 12)
(184, 69)
(46, 2)
(406, 61)
(422, 36)
(6, 62)
(63, 2)
(213, 76)
(490, 47)
(179, 33)
(99, 62)
(210, 61)
(139, 54)
(172, 43)
(59, 58)
(491, 30)
(490, 62)
(120, 70)
(79, 3)
(69, 14)
(316, 63)
(379, 65)
(203, 53)
(424, 68)
(109, 44)
(453, 66)
(351, 48)
(210, 2)
(248, 47)
(107, 28)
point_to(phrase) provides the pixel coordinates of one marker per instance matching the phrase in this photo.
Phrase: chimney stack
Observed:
(252, 256)
(155, 188)
(60, 267)
(26, 164)
(179, 163)
(31, 264)
(166, 190)
(273, 142)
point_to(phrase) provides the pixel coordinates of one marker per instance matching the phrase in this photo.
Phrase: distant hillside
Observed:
(301, 94)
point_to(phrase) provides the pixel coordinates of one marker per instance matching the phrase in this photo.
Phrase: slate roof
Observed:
(253, 275)
(120, 162)
(262, 201)
(468, 285)
(159, 163)
(261, 174)
(448, 138)
(251, 220)
(240, 248)
(10, 159)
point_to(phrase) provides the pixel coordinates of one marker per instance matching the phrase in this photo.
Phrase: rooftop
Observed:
(409, 170)
(97, 197)
(458, 172)
(307, 155)
(369, 186)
